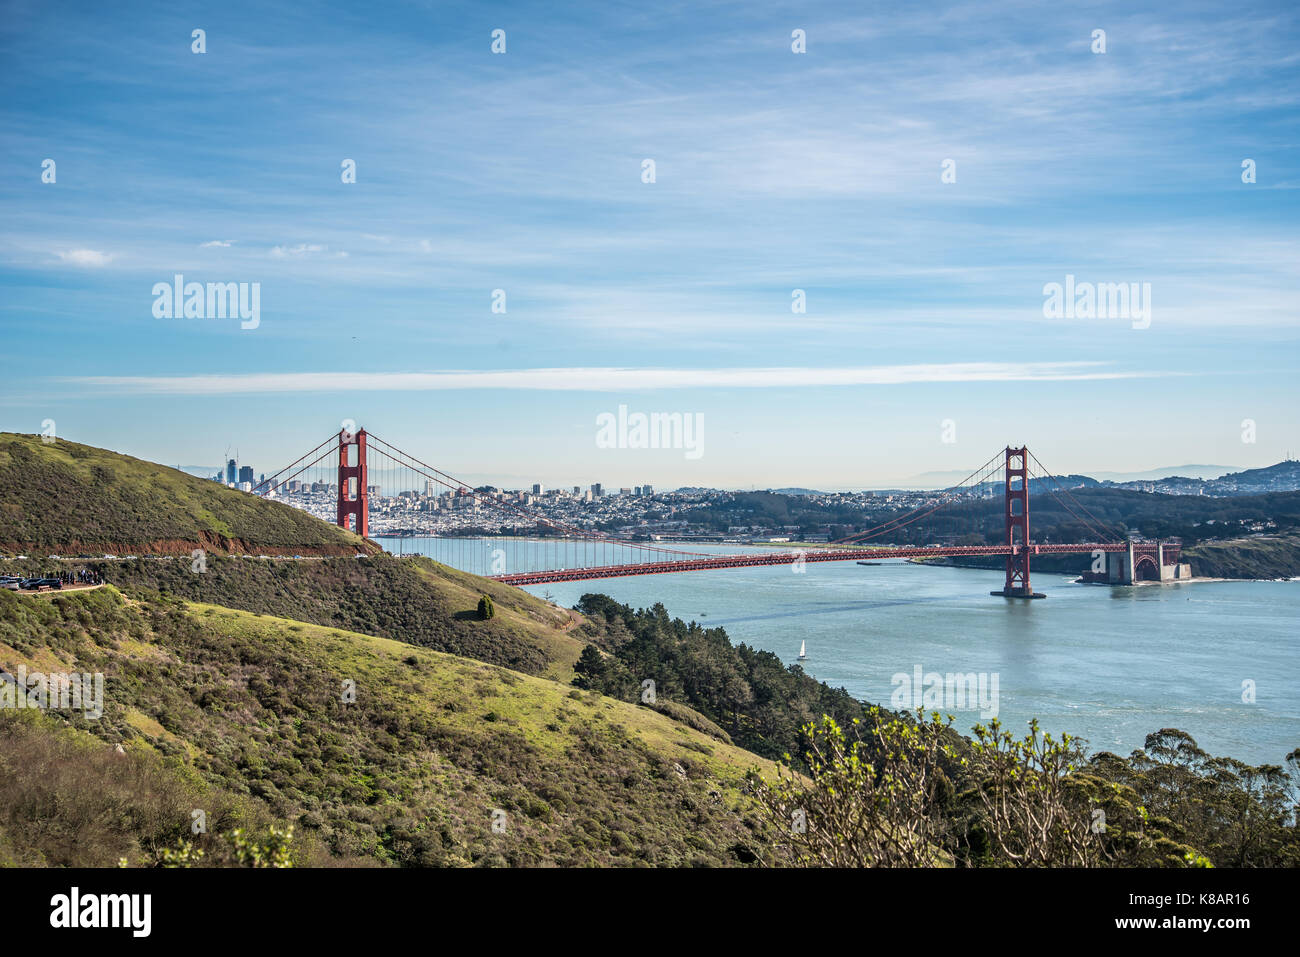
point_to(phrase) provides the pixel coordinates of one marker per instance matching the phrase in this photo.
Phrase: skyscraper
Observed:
(231, 472)
(246, 474)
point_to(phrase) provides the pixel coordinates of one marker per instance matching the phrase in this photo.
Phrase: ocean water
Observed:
(1107, 664)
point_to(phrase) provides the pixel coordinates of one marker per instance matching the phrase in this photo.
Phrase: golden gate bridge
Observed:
(352, 467)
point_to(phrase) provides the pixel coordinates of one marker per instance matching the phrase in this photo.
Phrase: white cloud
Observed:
(223, 243)
(302, 249)
(85, 258)
(609, 379)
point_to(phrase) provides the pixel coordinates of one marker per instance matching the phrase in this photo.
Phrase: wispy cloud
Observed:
(85, 258)
(608, 379)
(302, 249)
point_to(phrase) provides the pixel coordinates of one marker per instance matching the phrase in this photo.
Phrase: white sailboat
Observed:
(803, 651)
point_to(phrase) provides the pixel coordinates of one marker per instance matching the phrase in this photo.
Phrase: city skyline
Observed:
(921, 482)
(916, 183)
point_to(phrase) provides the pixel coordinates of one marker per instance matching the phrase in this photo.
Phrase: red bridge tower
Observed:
(353, 500)
(1017, 518)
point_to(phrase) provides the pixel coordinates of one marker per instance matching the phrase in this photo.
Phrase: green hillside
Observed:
(409, 599)
(246, 712)
(65, 498)
(1262, 557)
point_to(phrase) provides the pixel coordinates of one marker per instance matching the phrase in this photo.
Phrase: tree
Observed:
(1036, 814)
(486, 609)
(873, 801)
(589, 670)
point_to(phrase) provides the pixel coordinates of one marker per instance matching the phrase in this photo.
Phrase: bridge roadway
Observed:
(809, 555)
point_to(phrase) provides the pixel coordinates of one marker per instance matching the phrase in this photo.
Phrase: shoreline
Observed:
(1077, 581)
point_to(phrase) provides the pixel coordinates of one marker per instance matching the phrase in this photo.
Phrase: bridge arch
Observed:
(1145, 569)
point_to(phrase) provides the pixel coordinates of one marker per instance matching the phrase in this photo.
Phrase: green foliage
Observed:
(884, 798)
(1233, 814)
(486, 609)
(184, 854)
(750, 694)
(70, 800)
(411, 600)
(689, 717)
(1033, 814)
(235, 849)
(239, 715)
(271, 851)
(589, 670)
(873, 800)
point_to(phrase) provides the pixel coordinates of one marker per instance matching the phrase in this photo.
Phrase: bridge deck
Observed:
(808, 555)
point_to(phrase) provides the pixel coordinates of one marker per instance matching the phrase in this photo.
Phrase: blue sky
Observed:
(775, 171)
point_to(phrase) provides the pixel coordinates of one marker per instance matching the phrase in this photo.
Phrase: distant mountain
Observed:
(1291, 467)
(1184, 471)
(931, 480)
(1282, 477)
(944, 480)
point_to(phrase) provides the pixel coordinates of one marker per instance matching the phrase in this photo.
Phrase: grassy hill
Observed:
(243, 715)
(1263, 557)
(409, 599)
(67, 498)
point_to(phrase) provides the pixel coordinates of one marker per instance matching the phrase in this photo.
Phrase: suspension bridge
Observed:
(343, 475)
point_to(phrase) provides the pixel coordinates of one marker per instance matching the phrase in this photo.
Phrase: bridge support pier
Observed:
(1119, 567)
